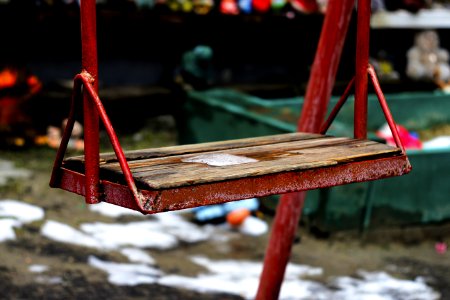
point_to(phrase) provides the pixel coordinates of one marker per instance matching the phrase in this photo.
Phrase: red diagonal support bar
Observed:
(337, 107)
(84, 80)
(314, 110)
(56, 172)
(93, 97)
(385, 108)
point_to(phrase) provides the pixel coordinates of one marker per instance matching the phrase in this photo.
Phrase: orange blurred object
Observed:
(238, 216)
(34, 84)
(8, 78)
(33, 80)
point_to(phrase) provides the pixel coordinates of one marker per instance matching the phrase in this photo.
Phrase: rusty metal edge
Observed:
(225, 191)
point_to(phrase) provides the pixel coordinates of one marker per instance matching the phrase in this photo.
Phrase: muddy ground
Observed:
(406, 253)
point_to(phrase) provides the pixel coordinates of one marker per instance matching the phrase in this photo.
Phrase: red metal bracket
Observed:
(84, 81)
(383, 103)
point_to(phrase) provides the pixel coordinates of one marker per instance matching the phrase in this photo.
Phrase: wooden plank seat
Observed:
(192, 175)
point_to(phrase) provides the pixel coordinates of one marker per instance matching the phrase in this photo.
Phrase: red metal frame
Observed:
(383, 103)
(155, 201)
(91, 122)
(314, 110)
(326, 63)
(362, 63)
(317, 96)
(320, 85)
(85, 80)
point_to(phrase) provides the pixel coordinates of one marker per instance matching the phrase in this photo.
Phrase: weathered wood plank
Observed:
(178, 166)
(174, 175)
(174, 171)
(212, 146)
(256, 151)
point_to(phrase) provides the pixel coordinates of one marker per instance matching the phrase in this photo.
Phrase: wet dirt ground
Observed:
(403, 252)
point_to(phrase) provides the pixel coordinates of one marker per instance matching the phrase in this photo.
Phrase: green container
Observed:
(418, 198)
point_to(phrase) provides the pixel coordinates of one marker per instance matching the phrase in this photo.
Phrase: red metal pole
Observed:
(362, 64)
(326, 63)
(314, 110)
(91, 118)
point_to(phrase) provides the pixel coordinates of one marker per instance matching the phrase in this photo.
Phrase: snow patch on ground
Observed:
(113, 211)
(380, 285)
(234, 268)
(64, 233)
(109, 236)
(138, 256)
(21, 211)
(242, 278)
(126, 274)
(175, 224)
(13, 214)
(7, 171)
(38, 268)
(49, 279)
(7, 229)
(235, 277)
(165, 231)
(145, 234)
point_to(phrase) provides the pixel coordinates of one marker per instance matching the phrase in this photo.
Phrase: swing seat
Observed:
(179, 177)
(172, 178)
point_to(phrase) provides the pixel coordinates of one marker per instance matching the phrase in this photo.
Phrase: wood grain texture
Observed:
(170, 167)
(193, 148)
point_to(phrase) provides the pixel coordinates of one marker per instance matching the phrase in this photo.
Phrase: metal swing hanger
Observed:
(171, 178)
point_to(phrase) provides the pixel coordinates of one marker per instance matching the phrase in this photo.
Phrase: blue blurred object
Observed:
(211, 212)
(245, 6)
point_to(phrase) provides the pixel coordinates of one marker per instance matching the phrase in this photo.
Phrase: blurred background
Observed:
(189, 71)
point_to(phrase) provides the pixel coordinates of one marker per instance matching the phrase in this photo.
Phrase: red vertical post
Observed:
(314, 110)
(362, 65)
(326, 63)
(91, 118)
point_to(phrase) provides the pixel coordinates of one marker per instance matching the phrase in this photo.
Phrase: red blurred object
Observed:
(305, 6)
(34, 84)
(11, 112)
(8, 78)
(261, 5)
(16, 87)
(229, 7)
(409, 140)
(440, 247)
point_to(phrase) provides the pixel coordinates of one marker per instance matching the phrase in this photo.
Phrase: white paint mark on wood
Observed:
(220, 159)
